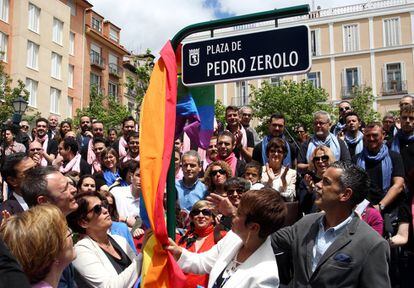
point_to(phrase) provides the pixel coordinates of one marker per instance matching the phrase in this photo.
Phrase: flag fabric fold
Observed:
(157, 126)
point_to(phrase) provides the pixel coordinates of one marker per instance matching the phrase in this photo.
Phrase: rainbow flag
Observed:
(157, 123)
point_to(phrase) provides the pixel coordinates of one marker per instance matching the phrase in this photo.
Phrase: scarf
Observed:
(357, 140)
(331, 141)
(288, 157)
(72, 165)
(401, 136)
(44, 141)
(96, 166)
(122, 147)
(192, 235)
(232, 161)
(386, 164)
(129, 157)
(91, 157)
(339, 127)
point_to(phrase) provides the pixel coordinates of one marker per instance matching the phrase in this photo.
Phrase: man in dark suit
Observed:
(11, 273)
(336, 248)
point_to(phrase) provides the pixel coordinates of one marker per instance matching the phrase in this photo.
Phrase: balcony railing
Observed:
(350, 91)
(97, 60)
(394, 87)
(115, 70)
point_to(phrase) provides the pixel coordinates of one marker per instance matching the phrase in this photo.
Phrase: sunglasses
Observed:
(215, 172)
(24, 127)
(323, 158)
(342, 109)
(97, 209)
(205, 212)
(230, 191)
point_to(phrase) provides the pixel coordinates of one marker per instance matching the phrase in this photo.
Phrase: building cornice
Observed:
(100, 38)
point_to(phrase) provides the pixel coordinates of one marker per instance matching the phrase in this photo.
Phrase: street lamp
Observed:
(19, 107)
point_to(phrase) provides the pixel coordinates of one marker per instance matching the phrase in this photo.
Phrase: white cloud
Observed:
(149, 24)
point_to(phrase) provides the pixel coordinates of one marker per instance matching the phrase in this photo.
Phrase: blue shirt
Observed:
(187, 196)
(324, 239)
(121, 229)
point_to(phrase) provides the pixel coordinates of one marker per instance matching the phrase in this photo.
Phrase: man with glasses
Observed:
(344, 107)
(25, 129)
(277, 125)
(47, 185)
(353, 137)
(36, 153)
(246, 114)
(322, 136)
(13, 171)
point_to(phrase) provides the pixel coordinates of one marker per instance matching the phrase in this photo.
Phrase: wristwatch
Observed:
(381, 207)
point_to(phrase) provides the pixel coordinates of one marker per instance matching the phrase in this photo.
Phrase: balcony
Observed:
(348, 92)
(97, 60)
(115, 70)
(394, 87)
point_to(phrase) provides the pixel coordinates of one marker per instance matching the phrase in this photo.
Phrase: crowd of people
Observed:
(332, 208)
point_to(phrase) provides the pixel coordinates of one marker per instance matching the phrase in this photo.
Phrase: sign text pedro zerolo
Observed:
(253, 55)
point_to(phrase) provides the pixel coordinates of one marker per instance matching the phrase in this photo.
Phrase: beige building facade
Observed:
(369, 44)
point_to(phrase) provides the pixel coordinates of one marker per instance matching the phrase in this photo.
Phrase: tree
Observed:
(220, 111)
(105, 108)
(297, 101)
(8, 94)
(362, 100)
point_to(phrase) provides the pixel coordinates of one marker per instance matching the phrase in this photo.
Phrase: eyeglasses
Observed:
(231, 191)
(215, 172)
(323, 158)
(97, 209)
(205, 212)
(320, 123)
(342, 109)
(24, 127)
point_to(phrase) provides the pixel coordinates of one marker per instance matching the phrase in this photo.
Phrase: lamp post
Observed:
(19, 107)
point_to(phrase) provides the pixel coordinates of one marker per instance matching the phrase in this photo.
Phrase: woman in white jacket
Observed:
(244, 257)
(103, 260)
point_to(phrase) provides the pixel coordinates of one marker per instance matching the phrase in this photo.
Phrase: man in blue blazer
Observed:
(336, 248)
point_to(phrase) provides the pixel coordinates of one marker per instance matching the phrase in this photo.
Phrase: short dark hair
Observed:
(83, 177)
(256, 165)
(35, 184)
(9, 162)
(132, 134)
(237, 182)
(275, 143)
(128, 118)
(352, 113)
(407, 109)
(82, 212)
(232, 108)
(265, 207)
(97, 122)
(99, 140)
(373, 124)
(277, 115)
(70, 143)
(41, 119)
(129, 166)
(355, 178)
(228, 134)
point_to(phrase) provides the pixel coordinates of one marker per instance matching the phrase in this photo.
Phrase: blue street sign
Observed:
(254, 55)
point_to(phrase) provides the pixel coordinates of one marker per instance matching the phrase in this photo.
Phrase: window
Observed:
(394, 78)
(54, 100)
(70, 107)
(70, 76)
(31, 86)
(34, 16)
(113, 89)
(351, 37)
(72, 5)
(32, 55)
(275, 81)
(72, 43)
(4, 10)
(95, 82)
(315, 43)
(242, 93)
(351, 80)
(4, 39)
(57, 31)
(56, 65)
(315, 78)
(96, 24)
(391, 32)
(113, 64)
(113, 34)
(96, 55)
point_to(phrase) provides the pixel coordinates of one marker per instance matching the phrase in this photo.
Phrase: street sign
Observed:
(254, 55)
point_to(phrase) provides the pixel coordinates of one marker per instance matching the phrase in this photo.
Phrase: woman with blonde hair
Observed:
(41, 241)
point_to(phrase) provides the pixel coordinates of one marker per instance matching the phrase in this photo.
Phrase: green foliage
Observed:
(104, 108)
(220, 111)
(297, 101)
(362, 104)
(8, 94)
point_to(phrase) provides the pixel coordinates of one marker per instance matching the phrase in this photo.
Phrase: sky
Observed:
(149, 24)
